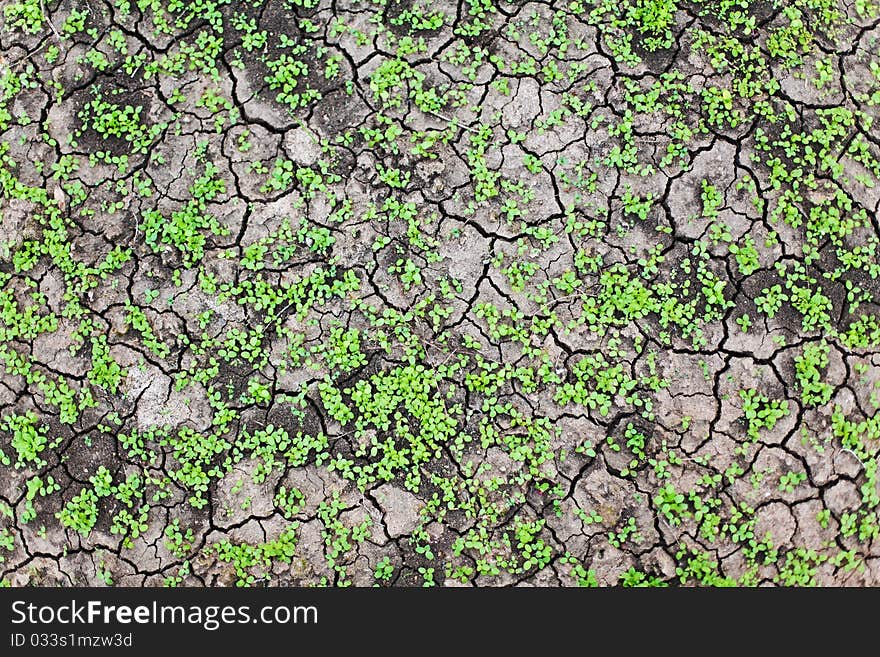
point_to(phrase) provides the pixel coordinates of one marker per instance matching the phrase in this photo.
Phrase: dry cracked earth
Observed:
(407, 293)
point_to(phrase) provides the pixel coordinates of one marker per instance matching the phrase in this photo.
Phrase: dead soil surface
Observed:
(528, 293)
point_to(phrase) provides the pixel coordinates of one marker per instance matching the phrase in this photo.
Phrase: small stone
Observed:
(302, 146)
